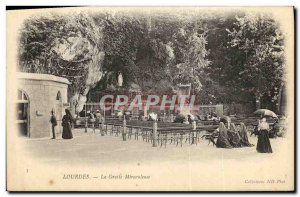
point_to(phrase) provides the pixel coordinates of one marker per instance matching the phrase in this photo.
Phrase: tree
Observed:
(259, 38)
(222, 83)
(226, 57)
(194, 61)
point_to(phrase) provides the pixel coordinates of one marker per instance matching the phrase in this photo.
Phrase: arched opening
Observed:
(23, 114)
(58, 96)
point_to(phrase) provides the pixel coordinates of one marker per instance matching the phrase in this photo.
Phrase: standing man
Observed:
(53, 123)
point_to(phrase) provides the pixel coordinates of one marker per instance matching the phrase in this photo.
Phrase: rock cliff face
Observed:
(69, 46)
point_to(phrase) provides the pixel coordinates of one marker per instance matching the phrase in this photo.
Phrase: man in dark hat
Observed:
(53, 123)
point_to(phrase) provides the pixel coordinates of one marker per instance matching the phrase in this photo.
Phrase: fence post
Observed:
(93, 125)
(124, 129)
(194, 125)
(101, 126)
(86, 124)
(154, 134)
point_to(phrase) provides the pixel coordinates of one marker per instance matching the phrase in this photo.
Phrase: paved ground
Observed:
(93, 148)
(191, 167)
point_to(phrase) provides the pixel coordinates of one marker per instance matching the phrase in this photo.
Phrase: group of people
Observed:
(67, 121)
(234, 138)
(227, 138)
(211, 116)
(95, 117)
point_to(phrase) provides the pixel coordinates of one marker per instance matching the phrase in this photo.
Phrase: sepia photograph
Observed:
(192, 99)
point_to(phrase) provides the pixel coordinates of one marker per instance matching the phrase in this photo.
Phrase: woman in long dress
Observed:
(263, 142)
(222, 141)
(243, 135)
(66, 123)
(234, 137)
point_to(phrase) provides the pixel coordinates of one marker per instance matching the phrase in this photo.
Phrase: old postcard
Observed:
(150, 99)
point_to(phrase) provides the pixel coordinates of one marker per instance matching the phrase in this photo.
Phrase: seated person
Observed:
(186, 121)
(225, 119)
(152, 116)
(190, 118)
(223, 141)
(208, 117)
(234, 137)
(243, 135)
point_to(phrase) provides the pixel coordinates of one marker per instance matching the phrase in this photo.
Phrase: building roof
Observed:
(42, 77)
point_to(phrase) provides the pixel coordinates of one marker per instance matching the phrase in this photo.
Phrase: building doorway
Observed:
(22, 119)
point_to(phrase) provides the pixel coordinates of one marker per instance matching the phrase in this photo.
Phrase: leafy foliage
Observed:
(259, 38)
(228, 58)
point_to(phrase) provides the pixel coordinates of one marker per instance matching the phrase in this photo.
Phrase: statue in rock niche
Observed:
(120, 79)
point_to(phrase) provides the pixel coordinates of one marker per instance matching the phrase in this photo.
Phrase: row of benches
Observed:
(174, 133)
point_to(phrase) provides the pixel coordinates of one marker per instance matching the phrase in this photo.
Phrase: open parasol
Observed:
(265, 112)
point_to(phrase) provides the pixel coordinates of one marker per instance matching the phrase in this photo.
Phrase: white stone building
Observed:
(38, 94)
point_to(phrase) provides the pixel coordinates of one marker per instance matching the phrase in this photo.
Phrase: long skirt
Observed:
(67, 131)
(244, 139)
(263, 142)
(234, 139)
(222, 142)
